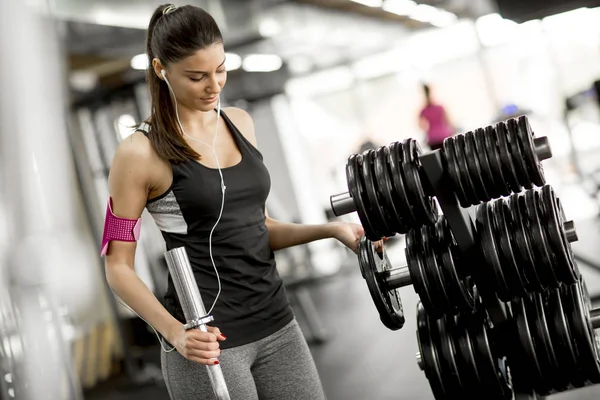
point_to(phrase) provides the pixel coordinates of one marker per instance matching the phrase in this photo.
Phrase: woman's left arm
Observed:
(283, 234)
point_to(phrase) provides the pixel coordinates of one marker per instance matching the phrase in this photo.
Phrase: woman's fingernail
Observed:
(216, 363)
(223, 336)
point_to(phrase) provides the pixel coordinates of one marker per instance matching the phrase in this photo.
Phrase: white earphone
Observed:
(223, 187)
(212, 148)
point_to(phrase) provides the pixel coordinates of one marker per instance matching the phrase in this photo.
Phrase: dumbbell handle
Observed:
(397, 277)
(342, 204)
(542, 148)
(193, 309)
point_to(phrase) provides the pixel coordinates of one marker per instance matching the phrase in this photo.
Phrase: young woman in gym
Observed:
(198, 171)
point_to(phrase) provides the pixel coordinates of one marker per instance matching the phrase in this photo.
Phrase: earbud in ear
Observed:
(163, 73)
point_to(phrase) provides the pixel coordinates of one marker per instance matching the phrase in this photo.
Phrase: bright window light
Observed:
(494, 30)
(381, 64)
(262, 63)
(232, 61)
(369, 3)
(125, 125)
(326, 81)
(443, 19)
(400, 7)
(140, 62)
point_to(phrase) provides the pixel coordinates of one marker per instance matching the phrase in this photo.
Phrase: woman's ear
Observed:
(158, 68)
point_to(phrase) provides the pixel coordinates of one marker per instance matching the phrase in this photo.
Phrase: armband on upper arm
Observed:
(121, 229)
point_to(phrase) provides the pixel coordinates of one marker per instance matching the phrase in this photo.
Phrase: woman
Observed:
(434, 121)
(199, 173)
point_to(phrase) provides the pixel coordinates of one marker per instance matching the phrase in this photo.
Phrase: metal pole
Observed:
(193, 309)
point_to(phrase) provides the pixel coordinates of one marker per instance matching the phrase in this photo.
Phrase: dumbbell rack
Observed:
(461, 223)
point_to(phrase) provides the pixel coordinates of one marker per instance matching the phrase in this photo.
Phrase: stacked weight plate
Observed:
(525, 241)
(460, 357)
(387, 190)
(556, 347)
(495, 161)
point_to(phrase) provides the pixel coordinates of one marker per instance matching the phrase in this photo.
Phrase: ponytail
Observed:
(165, 134)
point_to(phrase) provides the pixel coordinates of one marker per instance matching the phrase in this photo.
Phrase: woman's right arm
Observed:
(130, 181)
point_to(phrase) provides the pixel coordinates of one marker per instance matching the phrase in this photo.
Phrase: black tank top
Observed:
(253, 302)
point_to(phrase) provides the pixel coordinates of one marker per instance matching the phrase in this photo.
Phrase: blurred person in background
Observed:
(433, 120)
(198, 171)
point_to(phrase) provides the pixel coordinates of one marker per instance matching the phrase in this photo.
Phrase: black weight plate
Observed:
(475, 168)
(467, 180)
(429, 355)
(559, 244)
(425, 208)
(490, 254)
(388, 302)
(372, 203)
(466, 356)
(587, 303)
(561, 338)
(353, 177)
(520, 241)
(497, 386)
(460, 291)
(395, 170)
(518, 159)
(385, 189)
(437, 287)
(493, 156)
(502, 221)
(442, 333)
(539, 247)
(488, 177)
(454, 171)
(571, 256)
(416, 268)
(544, 349)
(534, 165)
(380, 191)
(582, 333)
(508, 169)
(528, 358)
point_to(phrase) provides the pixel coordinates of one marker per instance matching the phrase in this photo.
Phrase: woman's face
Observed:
(198, 79)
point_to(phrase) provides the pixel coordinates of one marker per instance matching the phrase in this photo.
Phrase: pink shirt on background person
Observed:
(438, 129)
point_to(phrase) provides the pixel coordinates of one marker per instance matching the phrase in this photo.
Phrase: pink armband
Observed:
(122, 229)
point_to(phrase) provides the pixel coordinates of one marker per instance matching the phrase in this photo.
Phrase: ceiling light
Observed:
(262, 63)
(399, 7)
(369, 3)
(424, 13)
(232, 61)
(83, 81)
(269, 28)
(140, 62)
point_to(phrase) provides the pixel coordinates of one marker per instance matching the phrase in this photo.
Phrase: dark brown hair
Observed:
(171, 37)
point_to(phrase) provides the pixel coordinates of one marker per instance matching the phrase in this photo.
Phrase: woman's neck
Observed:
(195, 120)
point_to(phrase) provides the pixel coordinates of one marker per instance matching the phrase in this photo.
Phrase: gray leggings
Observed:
(278, 367)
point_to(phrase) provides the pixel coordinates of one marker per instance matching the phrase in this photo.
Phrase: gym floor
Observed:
(362, 359)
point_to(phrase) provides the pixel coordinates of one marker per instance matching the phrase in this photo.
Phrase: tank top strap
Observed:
(144, 127)
(240, 139)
